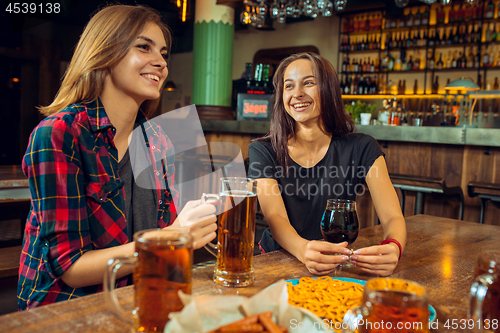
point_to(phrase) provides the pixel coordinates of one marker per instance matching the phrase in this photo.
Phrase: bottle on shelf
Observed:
(390, 64)
(454, 62)
(397, 63)
(439, 64)
(449, 61)
(415, 87)
(435, 85)
(425, 16)
(495, 84)
(463, 60)
(431, 61)
(470, 59)
(441, 14)
(417, 18)
(489, 10)
(477, 61)
(452, 15)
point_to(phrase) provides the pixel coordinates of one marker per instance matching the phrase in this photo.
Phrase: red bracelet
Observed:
(392, 240)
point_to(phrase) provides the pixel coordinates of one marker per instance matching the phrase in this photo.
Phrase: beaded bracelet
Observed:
(392, 240)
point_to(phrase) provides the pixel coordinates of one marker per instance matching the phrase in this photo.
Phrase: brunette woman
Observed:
(312, 154)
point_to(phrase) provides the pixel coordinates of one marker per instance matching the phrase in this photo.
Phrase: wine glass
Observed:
(340, 223)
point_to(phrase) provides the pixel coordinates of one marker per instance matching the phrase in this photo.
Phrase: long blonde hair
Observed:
(105, 41)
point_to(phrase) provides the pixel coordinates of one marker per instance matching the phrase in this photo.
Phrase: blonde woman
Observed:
(85, 205)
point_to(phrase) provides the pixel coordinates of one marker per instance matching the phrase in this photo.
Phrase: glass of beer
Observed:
(340, 223)
(236, 232)
(485, 293)
(161, 267)
(390, 305)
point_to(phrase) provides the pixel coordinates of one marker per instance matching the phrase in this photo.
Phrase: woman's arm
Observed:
(383, 259)
(198, 219)
(316, 255)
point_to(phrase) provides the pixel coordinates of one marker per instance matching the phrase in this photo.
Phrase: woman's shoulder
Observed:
(67, 115)
(262, 145)
(359, 139)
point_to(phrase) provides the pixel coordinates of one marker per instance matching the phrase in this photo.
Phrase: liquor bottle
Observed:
(347, 86)
(385, 62)
(460, 14)
(361, 86)
(409, 19)
(432, 37)
(470, 59)
(479, 31)
(462, 34)
(454, 35)
(479, 12)
(441, 14)
(463, 60)
(486, 58)
(390, 65)
(495, 84)
(454, 62)
(425, 16)
(417, 18)
(372, 67)
(416, 63)
(480, 82)
(431, 61)
(469, 13)
(477, 61)
(409, 65)
(423, 40)
(435, 85)
(488, 34)
(494, 33)
(415, 87)
(345, 63)
(449, 60)
(400, 87)
(397, 63)
(439, 64)
(489, 9)
(452, 15)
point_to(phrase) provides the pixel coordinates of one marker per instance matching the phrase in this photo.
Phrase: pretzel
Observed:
(326, 297)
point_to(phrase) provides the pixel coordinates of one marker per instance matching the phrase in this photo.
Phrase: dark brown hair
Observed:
(334, 118)
(105, 41)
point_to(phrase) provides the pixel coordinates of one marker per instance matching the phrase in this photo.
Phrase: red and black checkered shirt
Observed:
(77, 197)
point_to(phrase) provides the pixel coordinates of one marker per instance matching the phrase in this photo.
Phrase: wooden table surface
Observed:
(14, 185)
(440, 254)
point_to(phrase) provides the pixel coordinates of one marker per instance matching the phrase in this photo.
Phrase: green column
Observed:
(212, 53)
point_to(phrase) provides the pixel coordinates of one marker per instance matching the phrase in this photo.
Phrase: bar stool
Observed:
(421, 185)
(485, 191)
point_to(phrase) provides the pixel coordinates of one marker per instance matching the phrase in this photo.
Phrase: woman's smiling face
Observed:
(141, 73)
(300, 91)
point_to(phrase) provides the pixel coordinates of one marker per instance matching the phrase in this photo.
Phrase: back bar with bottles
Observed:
(403, 64)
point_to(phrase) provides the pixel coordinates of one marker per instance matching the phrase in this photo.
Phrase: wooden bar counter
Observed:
(440, 254)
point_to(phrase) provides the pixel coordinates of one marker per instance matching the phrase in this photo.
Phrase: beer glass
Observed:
(390, 305)
(162, 266)
(340, 223)
(485, 293)
(235, 232)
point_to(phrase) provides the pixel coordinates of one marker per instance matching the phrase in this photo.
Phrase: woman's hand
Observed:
(379, 259)
(321, 257)
(199, 219)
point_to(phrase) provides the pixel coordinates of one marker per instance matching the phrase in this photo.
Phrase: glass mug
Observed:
(389, 304)
(485, 293)
(162, 263)
(235, 231)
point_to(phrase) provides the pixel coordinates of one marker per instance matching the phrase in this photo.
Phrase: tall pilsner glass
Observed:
(236, 232)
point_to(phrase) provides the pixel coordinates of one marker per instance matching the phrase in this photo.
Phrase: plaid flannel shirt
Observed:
(77, 197)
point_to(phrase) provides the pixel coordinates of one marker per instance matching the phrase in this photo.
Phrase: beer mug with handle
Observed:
(235, 232)
(485, 293)
(390, 305)
(162, 264)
